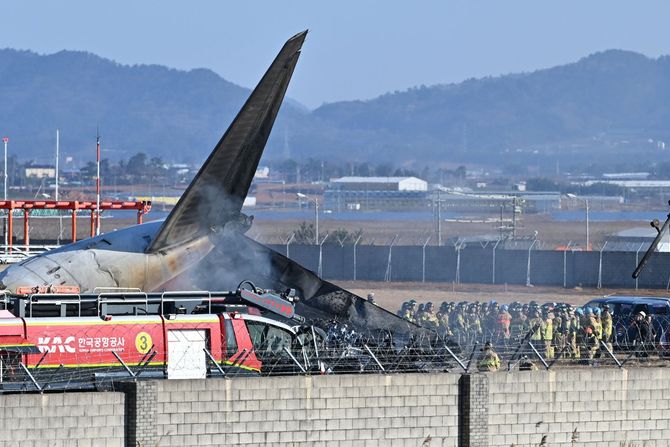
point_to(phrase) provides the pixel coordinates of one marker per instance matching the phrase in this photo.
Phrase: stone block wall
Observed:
(567, 407)
(601, 406)
(345, 410)
(473, 400)
(62, 419)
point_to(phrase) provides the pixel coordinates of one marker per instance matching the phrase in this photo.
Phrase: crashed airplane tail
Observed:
(215, 196)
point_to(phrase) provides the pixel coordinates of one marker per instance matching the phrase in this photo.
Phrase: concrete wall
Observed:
(479, 265)
(606, 406)
(64, 419)
(601, 406)
(352, 410)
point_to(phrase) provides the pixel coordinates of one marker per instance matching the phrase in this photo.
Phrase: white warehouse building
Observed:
(376, 193)
(379, 184)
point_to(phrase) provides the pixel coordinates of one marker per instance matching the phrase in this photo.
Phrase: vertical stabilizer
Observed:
(216, 194)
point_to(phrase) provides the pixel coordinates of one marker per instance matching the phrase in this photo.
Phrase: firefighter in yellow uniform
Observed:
(548, 335)
(410, 312)
(595, 323)
(590, 342)
(575, 328)
(428, 318)
(489, 360)
(607, 326)
(537, 325)
(443, 320)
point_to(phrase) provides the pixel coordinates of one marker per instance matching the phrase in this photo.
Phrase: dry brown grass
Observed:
(414, 233)
(390, 295)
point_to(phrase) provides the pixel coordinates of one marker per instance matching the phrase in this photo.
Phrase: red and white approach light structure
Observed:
(97, 188)
(5, 140)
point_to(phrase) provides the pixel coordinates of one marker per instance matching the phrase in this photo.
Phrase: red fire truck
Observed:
(177, 334)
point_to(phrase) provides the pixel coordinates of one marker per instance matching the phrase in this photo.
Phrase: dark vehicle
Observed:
(624, 309)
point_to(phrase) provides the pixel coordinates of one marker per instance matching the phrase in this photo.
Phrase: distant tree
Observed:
(156, 163)
(460, 172)
(384, 170)
(305, 233)
(661, 170)
(602, 189)
(343, 236)
(288, 169)
(311, 170)
(426, 173)
(362, 170)
(541, 184)
(105, 167)
(515, 169)
(332, 170)
(137, 164)
(89, 171)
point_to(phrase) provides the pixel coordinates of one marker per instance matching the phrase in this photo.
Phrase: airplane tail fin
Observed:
(216, 194)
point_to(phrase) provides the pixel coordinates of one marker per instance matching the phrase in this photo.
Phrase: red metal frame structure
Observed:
(74, 206)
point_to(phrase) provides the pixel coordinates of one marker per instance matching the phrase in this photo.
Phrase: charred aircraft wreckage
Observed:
(202, 242)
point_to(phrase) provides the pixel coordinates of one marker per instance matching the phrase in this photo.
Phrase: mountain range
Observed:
(612, 106)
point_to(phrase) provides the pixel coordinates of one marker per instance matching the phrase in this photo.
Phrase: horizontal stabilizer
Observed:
(215, 196)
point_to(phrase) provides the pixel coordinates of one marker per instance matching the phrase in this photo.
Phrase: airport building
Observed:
(636, 240)
(493, 201)
(40, 171)
(376, 193)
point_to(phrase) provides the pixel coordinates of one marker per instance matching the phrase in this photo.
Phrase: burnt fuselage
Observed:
(111, 260)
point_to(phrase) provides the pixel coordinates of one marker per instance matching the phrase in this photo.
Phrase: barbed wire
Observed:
(333, 349)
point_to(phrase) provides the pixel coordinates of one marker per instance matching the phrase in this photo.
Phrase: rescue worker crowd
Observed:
(555, 330)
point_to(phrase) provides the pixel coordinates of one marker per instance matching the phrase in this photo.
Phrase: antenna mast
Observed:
(97, 184)
(57, 158)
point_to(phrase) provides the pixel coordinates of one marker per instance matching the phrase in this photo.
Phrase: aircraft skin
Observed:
(111, 260)
(203, 237)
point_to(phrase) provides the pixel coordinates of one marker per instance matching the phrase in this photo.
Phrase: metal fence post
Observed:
(458, 247)
(355, 245)
(288, 242)
(320, 270)
(387, 275)
(636, 263)
(600, 267)
(493, 270)
(423, 260)
(565, 265)
(528, 284)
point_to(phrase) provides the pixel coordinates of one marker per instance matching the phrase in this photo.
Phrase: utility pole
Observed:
(316, 214)
(316, 218)
(97, 185)
(502, 208)
(586, 209)
(588, 240)
(7, 236)
(57, 159)
(5, 140)
(60, 218)
(514, 218)
(439, 219)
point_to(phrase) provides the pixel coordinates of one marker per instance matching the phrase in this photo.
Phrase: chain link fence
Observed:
(83, 362)
(523, 262)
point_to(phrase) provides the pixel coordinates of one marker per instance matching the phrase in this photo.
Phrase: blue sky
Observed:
(355, 50)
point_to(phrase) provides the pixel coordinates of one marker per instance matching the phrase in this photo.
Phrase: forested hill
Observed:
(608, 104)
(612, 104)
(179, 115)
